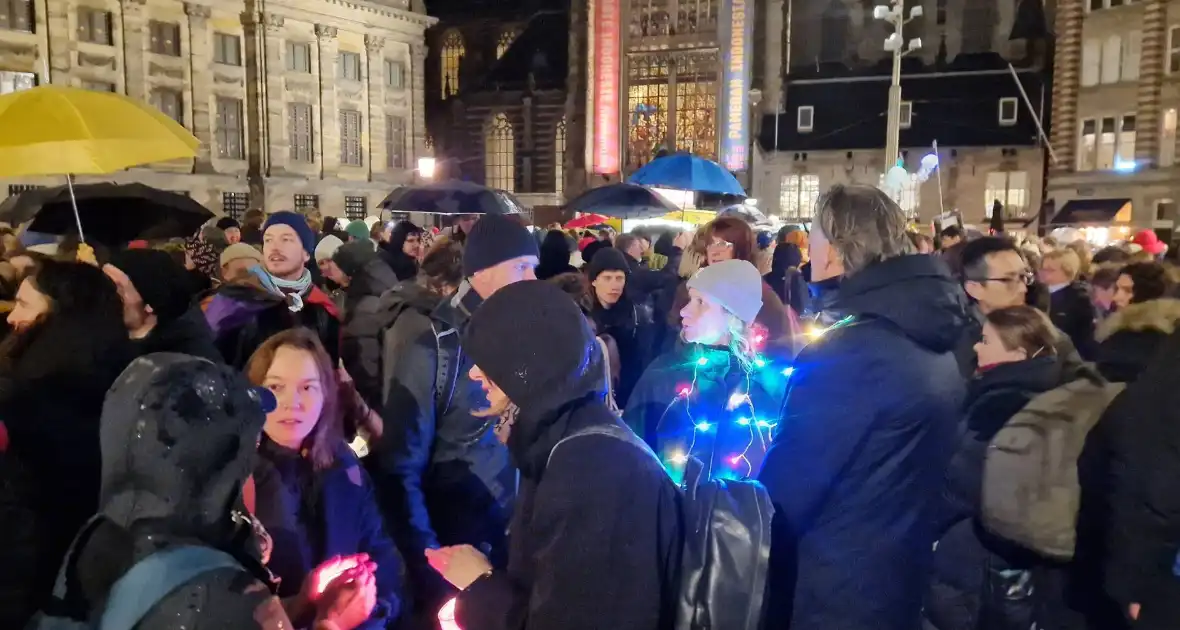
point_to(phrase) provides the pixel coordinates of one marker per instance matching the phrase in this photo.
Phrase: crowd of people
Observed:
(293, 422)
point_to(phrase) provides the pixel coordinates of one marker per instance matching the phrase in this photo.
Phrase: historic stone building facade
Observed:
(1115, 100)
(297, 103)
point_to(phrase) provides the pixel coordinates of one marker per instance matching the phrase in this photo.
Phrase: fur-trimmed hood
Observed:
(1162, 315)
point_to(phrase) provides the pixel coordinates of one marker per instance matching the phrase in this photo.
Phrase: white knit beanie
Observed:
(734, 284)
(327, 247)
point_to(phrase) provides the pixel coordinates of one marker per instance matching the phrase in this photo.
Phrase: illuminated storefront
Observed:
(680, 81)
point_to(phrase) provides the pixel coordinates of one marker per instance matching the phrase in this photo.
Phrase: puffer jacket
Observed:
(178, 441)
(441, 476)
(1130, 338)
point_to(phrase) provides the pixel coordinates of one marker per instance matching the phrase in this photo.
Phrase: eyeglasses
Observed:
(717, 242)
(1026, 278)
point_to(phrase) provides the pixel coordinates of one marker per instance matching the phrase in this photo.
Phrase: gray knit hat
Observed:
(734, 284)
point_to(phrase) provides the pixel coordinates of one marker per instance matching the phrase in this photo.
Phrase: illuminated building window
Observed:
(559, 158)
(1168, 138)
(452, 56)
(647, 108)
(500, 155)
(797, 196)
(696, 105)
(1010, 189)
(506, 39)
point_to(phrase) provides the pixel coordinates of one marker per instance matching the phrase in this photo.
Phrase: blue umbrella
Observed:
(622, 201)
(688, 172)
(451, 197)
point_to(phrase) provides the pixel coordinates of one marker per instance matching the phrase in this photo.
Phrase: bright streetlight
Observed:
(426, 167)
(894, 14)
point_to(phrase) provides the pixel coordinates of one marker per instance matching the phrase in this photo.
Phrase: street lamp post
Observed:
(894, 14)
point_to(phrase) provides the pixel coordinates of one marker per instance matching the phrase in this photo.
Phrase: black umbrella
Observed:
(112, 214)
(622, 201)
(451, 197)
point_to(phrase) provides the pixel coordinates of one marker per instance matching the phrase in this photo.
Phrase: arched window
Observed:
(506, 39)
(452, 56)
(500, 155)
(559, 159)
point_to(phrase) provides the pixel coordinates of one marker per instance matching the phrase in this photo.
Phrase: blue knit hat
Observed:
(296, 222)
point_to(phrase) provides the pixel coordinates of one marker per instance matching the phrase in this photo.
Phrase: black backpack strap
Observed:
(615, 431)
(447, 363)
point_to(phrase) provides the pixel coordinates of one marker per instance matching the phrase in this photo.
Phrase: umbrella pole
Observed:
(74, 203)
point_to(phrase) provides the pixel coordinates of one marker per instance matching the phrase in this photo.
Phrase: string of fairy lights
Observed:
(740, 403)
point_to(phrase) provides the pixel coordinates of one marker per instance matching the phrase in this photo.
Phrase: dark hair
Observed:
(733, 230)
(974, 255)
(1151, 281)
(1105, 277)
(442, 267)
(328, 434)
(83, 329)
(951, 231)
(1024, 328)
(1111, 254)
(577, 286)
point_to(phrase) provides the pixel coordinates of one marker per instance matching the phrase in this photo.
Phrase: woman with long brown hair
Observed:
(310, 492)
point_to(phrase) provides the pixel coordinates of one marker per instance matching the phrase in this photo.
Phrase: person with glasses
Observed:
(996, 276)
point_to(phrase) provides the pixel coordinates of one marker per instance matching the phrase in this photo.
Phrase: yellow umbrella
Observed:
(55, 130)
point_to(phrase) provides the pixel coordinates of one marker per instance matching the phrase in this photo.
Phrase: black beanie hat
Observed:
(162, 282)
(225, 223)
(533, 342)
(352, 257)
(609, 259)
(591, 250)
(494, 239)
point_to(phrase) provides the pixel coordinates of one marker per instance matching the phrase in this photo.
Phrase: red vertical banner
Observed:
(607, 71)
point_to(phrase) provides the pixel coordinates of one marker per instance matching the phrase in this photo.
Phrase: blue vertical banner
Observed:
(737, 27)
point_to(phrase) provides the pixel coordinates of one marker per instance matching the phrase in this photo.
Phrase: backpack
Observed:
(726, 553)
(143, 586)
(1031, 491)
(446, 344)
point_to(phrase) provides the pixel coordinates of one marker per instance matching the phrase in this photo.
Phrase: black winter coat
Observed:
(188, 334)
(360, 346)
(967, 575)
(592, 546)
(855, 471)
(1130, 338)
(441, 476)
(1139, 444)
(1072, 312)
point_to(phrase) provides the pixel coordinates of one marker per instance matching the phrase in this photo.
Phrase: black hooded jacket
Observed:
(555, 255)
(178, 441)
(593, 546)
(360, 345)
(857, 464)
(187, 334)
(786, 280)
(403, 266)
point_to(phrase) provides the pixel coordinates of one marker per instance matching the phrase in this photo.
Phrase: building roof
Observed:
(541, 49)
(494, 10)
(956, 109)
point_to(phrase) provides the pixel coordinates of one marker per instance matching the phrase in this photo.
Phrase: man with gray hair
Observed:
(856, 468)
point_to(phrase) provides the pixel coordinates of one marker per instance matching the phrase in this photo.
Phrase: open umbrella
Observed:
(622, 201)
(62, 130)
(114, 213)
(688, 172)
(451, 197)
(586, 220)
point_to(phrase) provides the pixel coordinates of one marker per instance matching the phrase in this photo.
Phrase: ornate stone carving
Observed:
(273, 22)
(395, 98)
(158, 70)
(301, 85)
(374, 44)
(324, 32)
(418, 52)
(198, 11)
(349, 89)
(96, 61)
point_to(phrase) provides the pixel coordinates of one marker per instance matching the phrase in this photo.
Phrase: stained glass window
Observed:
(452, 55)
(696, 105)
(506, 39)
(500, 155)
(647, 108)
